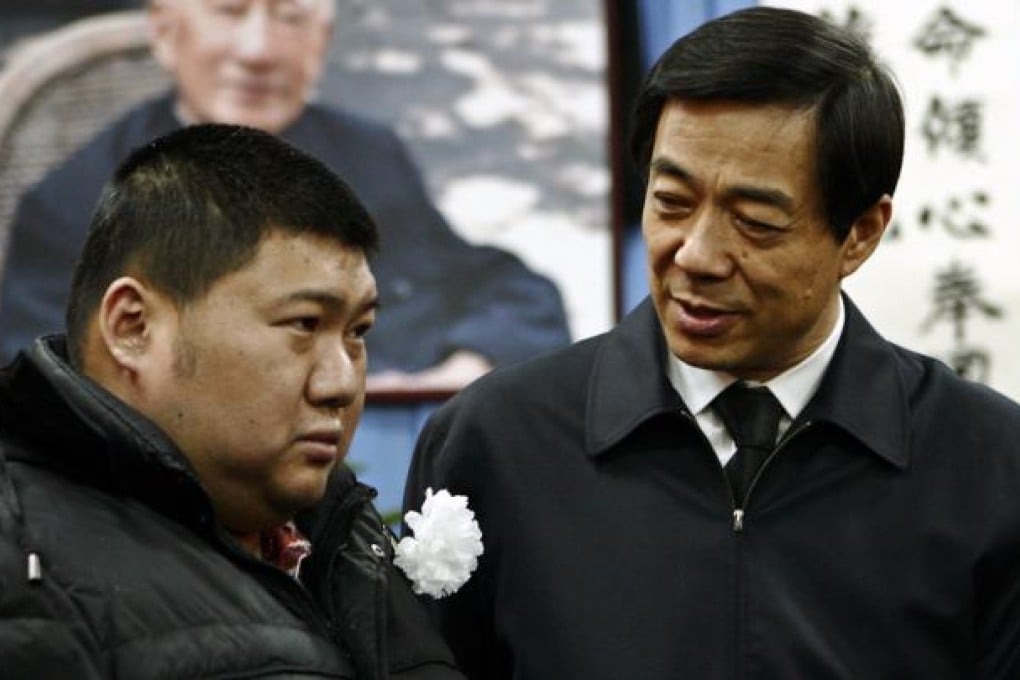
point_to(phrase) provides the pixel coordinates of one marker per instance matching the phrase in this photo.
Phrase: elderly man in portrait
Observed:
(453, 310)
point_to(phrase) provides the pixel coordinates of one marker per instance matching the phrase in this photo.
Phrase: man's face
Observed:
(261, 381)
(743, 268)
(247, 62)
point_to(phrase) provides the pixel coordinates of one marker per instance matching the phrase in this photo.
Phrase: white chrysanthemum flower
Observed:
(444, 551)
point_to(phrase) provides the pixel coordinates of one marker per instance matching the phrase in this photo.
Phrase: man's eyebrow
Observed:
(773, 197)
(664, 166)
(326, 299)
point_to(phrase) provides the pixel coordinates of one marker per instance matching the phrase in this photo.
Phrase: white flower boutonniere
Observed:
(444, 551)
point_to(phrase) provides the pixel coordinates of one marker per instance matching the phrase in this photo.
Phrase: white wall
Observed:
(897, 288)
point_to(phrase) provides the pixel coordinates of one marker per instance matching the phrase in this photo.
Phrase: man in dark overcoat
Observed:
(743, 479)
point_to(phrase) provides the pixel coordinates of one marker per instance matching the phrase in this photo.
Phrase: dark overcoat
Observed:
(112, 564)
(881, 540)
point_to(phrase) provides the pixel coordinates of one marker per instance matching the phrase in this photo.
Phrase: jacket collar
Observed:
(628, 383)
(77, 426)
(864, 390)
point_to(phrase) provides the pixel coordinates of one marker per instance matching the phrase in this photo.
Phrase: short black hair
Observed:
(770, 55)
(194, 205)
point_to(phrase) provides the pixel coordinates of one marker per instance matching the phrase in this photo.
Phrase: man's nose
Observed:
(703, 249)
(336, 379)
(254, 37)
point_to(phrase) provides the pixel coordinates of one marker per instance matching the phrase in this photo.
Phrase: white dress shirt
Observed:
(793, 388)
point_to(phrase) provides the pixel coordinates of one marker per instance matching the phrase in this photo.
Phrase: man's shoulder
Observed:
(367, 153)
(91, 164)
(40, 477)
(557, 379)
(936, 377)
(936, 389)
(933, 391)
(340, 121)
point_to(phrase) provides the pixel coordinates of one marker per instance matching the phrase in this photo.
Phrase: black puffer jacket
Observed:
(112, 566)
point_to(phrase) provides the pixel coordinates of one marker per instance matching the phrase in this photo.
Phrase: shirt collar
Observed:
(793, 388)
(629, 386)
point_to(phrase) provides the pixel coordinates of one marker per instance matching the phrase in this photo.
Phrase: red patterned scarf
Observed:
(285, 547)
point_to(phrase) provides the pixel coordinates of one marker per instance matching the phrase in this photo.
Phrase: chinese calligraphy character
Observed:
(950, 220)
(957, 295)
(950, 35)
(958, 127)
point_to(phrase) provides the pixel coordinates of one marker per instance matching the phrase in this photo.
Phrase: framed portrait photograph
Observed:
(493, 120)
(503, 105)
(496, 222)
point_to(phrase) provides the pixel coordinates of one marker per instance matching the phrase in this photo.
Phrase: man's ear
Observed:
(865, 234)
(124, 321)
(161, 29)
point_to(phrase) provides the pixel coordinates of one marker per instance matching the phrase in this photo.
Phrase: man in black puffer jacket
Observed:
(172, 498)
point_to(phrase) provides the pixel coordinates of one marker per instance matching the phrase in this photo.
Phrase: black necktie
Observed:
(751, 415)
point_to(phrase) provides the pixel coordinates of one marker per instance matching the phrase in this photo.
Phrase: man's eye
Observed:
(229, 7)
(294, 12)
(362, 329)
(305, 324)
(671, 203)
(756, 225)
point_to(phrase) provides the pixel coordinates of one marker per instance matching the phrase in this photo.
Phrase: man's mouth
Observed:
(321, 446)
(701, 319)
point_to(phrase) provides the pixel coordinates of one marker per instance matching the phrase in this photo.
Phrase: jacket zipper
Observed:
(9, 497)
(738, 513)
(738, 528)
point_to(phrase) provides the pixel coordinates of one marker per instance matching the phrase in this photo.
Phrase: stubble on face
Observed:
(185, 358)
(237, 391)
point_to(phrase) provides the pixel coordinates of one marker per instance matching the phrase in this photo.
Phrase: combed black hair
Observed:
(771, 55)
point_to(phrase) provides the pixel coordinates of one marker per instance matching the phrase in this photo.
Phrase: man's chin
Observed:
(700, 354)
(297, 499)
